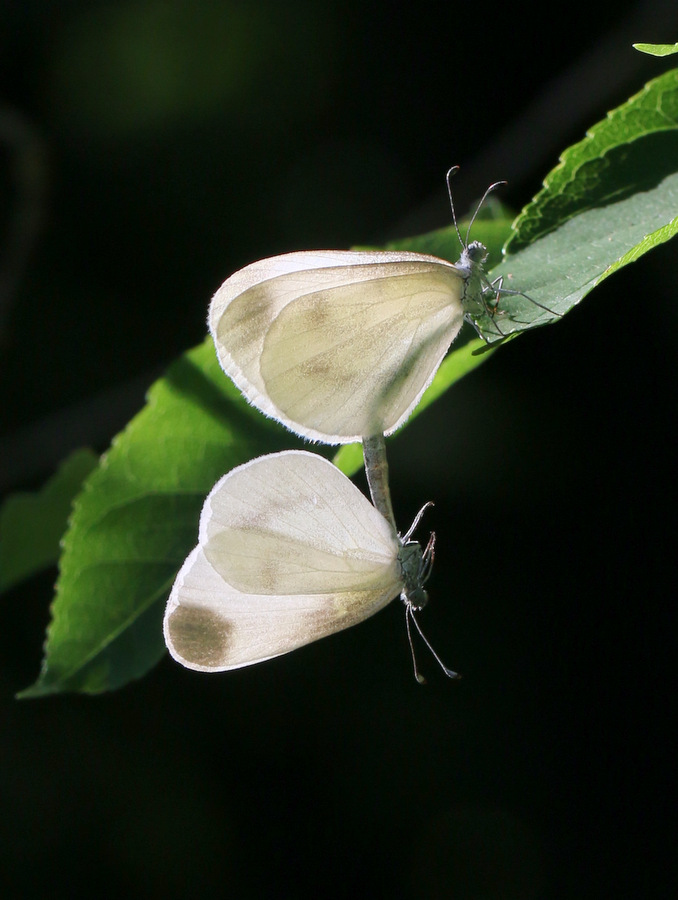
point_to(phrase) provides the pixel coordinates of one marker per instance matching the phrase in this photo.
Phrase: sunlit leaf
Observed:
(136, 518)
(657, 49)
(31, 524)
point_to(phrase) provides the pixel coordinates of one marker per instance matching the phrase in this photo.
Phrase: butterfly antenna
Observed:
(410, 615)
(448, 178)
(417, 674)
(491, 188)
(405, 538)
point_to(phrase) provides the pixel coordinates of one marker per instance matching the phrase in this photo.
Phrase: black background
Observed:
(160, 146)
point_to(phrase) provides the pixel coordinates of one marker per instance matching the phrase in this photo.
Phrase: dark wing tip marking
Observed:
(200, 636)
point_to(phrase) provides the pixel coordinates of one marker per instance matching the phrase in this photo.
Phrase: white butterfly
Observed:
(341, 344)
(289, 551)
(338, 344)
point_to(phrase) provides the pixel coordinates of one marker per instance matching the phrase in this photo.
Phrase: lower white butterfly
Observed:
(289, 551)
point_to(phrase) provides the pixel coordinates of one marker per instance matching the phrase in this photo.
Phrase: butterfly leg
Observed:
(498, 287)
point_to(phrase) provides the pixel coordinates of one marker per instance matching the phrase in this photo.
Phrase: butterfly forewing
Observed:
(337, 344)
(313, 554)
(211, 627)
(292, 522)
(348, 362)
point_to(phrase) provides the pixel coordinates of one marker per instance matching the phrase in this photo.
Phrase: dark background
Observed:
(148, 150)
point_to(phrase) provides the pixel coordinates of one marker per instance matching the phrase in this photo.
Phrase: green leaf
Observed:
(559, 270)
(657, 49)
(31, 524)
(613, 197)
(630, 151)
(137, 518)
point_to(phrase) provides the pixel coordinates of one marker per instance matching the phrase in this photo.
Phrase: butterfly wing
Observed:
(290, 551)
(211, 627)
(337, 344)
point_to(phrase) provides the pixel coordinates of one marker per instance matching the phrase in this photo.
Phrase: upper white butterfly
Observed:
(339, 344)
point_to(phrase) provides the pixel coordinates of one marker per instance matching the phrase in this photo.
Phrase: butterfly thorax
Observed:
(412, 568)
(470, 267)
